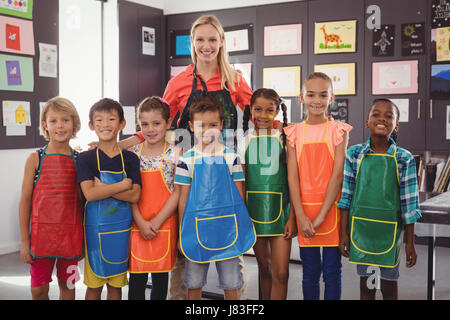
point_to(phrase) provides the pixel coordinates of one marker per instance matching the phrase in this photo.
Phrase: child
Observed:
(215, 225)
(51, 198)
(267, 193)
(155, 227)
(316, 153)
(379, 196)
(110, 181)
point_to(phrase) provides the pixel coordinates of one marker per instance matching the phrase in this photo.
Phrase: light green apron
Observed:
(267, 193)
(374, 220)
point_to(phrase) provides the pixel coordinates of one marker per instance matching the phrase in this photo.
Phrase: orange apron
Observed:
(315, 166)
(158, 254)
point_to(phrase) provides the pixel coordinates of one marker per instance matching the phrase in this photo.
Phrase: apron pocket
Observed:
(114, 246)
(217, 233)
(153, 250)
(264, 206)
(371, 236)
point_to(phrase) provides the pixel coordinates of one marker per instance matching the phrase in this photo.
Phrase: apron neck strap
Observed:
(121, 157)
(162, 156)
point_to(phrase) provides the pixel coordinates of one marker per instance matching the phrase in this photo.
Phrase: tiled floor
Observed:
(15, 280)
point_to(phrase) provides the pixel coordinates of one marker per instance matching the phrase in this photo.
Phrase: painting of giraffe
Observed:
(335, 36)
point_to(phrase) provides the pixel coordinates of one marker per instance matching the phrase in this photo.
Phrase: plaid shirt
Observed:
(409, 191)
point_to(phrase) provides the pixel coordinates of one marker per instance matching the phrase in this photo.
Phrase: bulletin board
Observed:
(39, 25)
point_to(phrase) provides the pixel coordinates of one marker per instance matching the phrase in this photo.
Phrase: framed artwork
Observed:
(413, 39)
(440, 13)
(18, 8)
(16, 35)
(239, 39)
(283, 40)
(440, 82)
(180, 44)
(246, 69)
(16, 73)
(395, 77)
(284, 80)
(335, 36)
(384, 41)
(342, 75)
(339, 110)
(443, 44)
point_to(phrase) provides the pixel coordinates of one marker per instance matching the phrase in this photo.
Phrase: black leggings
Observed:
(138, 282)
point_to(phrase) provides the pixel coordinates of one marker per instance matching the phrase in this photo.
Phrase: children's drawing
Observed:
(443, 44)
(335, 37)
(383, 41)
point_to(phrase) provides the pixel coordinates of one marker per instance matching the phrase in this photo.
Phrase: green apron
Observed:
(375, 222)
(267, 193)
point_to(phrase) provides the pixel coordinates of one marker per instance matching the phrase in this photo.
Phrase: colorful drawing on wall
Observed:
(239, 39)
(284, 80)
(339, 110)
(383, 41)
(16, 35)
(16, 73)
(335, 37)
(443, 44)
(440, 82)
(440, 13)
(413, 39)
(183, 45)
(16, 113)
(283, 39)
(13, 73)
(18, 8)
(342, 75)
(395, 77)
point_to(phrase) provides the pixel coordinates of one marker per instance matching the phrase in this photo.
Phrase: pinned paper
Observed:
(16, 113)
(48, 60)
(130, 118)
(16, 35)
(16, 73)
(148, 41)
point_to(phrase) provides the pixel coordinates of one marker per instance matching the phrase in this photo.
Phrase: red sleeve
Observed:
(243, 94)
(170, 95)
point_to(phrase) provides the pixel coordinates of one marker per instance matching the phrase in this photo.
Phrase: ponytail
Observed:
(246, 118)
(283, 135)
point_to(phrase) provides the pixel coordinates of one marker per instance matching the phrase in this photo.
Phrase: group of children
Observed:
(277, 183)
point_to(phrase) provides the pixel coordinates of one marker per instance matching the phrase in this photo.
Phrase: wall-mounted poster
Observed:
(395, 77)
(342, 75)
(18, 8)
(339, 110)
(335, 37)
(239, 39)
(383, 41)
(283, 40)
(284, 80)
(16, 35)
(180, 44)
(440, 82)
(48, 60)
(148, 41)
(16, 113)
(16, 73)
(413, 39)
(440, 13)
(443, 44)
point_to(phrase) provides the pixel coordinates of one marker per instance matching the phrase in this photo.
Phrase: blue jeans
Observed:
(313, 265)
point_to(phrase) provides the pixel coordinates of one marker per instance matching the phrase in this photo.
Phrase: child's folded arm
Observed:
(96, 190)
(131, 195)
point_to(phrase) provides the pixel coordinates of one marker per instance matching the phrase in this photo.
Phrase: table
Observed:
(435, 208)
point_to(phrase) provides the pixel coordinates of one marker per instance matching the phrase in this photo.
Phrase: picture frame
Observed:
(239, 39)
(335, 36)
(283, 39)
(395, 77)
(180, 44)
(286, 81)
(440, 82)
(342, 75)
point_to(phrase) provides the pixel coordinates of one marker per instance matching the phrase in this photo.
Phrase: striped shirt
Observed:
(185, 166)
(409, 191)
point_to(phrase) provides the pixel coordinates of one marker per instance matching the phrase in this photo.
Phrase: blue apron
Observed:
(107, 229)
(216, 224)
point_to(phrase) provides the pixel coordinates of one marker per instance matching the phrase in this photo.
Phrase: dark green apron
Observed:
(374, 220)
(267, 192)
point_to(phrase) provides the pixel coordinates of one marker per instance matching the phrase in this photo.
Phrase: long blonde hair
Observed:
(229, 75)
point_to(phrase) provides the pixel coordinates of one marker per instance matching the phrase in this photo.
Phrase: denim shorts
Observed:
(228, 270)
(390, 274)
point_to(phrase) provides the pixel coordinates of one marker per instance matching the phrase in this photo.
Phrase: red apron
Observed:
(56, 220)
(158, 254)
(315, 166)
